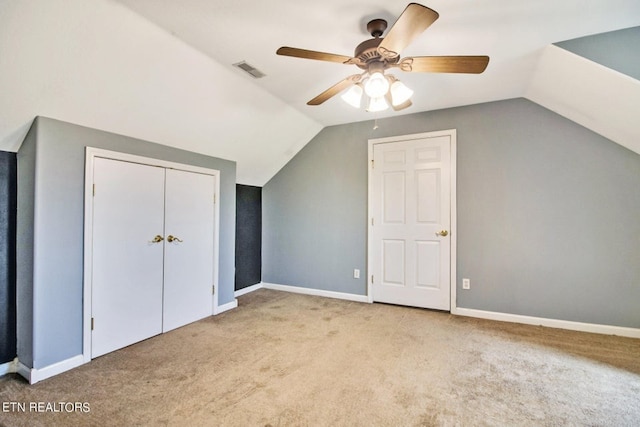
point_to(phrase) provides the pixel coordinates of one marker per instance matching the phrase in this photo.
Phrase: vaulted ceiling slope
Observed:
(161, 70)
(594, 81)
(98, 64)
(597, 97)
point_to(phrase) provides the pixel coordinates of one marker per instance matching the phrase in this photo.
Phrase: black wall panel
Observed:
(8, 178)
(248, 236)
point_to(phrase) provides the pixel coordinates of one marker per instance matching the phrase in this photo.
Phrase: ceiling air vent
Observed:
(249, 69)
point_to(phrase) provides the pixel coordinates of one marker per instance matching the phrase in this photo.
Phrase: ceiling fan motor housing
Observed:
(367, 53)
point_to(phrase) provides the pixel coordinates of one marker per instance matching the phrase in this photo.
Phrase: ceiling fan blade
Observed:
(312, 54)
(411, 23)
(444, 64)
(335, 89)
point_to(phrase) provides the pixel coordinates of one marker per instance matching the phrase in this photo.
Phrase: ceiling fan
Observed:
(379, 54)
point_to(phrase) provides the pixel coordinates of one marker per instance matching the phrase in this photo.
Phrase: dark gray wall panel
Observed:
(548, 220)
(248, 235)
(8, 177)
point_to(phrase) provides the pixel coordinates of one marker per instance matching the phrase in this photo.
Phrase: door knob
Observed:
(442, 233)
(172, 239)
(157, 239)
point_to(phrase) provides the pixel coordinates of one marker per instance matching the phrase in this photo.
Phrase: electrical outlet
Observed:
(356, 273)
(466, 284)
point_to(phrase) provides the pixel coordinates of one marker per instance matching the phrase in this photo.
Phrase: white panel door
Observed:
(189, 228)
(411, 208)
(126, 298)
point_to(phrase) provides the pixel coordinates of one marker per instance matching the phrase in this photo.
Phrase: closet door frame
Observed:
(91, 154)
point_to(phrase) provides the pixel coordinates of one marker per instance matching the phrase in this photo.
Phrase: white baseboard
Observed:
(316, 292)
(550, 323)
(248, 289)
(5, 368)
(225, 307)
(34, 375)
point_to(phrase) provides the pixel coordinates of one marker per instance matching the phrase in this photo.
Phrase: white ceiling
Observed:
(160, 70)
(512, 32)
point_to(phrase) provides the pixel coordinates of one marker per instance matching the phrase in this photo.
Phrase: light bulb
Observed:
(376, 85)
(377, 104)
(400, 93)
(353, 96)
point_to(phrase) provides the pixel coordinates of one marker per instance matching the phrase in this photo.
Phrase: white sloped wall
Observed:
(98, 64)
(592, 95)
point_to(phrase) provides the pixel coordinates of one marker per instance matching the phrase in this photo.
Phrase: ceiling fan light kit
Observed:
(400, 93)
(377, 104)
(376, 85)
(353, 96)
(378, 54)
(379, 93)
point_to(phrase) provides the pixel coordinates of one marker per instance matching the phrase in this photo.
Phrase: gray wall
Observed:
(314, 214)
(58, 240)
(618, 50)
(25, 245)
(548, 213)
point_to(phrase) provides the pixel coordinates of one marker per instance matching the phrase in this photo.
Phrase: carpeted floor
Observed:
(285, 359)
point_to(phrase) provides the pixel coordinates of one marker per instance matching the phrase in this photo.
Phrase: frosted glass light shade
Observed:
(400, 93)
(353, 96)
(377, 104)
(376, 85)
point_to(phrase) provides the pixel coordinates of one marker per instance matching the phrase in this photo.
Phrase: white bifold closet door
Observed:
(152, 247)
(188, 261)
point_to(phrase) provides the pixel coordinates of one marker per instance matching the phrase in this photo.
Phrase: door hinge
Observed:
(372, 221)
(92, 323)
(372, 279)
(213, 290)
(214, 199)
(94, 189)
(372, 164)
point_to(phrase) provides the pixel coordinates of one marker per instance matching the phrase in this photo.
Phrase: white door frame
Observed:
(90, 154)
(452, 134)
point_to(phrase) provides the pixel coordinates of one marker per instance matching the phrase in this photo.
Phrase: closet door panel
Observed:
(188, 266)
(128, 210)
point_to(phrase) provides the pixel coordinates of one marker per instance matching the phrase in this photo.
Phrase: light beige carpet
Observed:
(291, 360)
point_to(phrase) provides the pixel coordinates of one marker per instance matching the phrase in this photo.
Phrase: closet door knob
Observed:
(172, 239)
(442, 233)
(157, 239)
